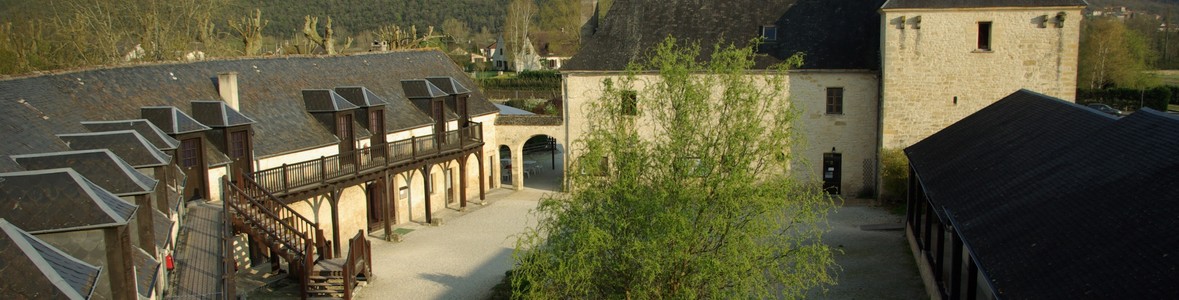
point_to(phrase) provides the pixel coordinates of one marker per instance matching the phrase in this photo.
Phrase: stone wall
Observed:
(934, 75)
(853, 133)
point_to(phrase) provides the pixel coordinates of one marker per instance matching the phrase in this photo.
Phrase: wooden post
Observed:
(334, 202)
(322, 170)
(426, 183)
(482, 176)
(463, 181)
(387, 203)
(286, 188)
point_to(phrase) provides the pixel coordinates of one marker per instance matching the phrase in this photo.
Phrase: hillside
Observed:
(286, 17)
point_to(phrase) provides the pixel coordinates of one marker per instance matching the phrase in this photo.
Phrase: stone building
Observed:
(876, 74)
(294, 150)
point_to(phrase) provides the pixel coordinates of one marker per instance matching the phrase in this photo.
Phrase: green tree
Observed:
(1111, 55)
(697, 204)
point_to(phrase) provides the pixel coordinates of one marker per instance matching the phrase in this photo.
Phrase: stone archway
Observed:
(543, 160)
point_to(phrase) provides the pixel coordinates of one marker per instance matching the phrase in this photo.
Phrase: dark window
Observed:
(344, 125)
(769, 33)
(630, 103)
(984, 36)
(239, 139)
(188, 152)
(835, 101)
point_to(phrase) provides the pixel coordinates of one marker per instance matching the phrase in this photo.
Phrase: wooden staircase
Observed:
(300, 242)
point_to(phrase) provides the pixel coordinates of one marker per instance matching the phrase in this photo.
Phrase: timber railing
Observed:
(359, 261)
(299, 240)
(284, 179)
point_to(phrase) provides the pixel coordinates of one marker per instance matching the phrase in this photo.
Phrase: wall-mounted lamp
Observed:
(1042, 21)
(1060, 19)
(917, 22)
(901, 22)
(832, 149)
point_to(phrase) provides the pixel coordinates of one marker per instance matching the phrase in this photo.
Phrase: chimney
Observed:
(227, 86)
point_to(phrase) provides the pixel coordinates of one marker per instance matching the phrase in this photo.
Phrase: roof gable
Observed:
(127, 144)
(325, 101)
(171, 120)
(43, 270)
(448, 85)
(421, 89)
(99, 165)
(218, 114)
(59, 200)
(145, 128)
(360, 96)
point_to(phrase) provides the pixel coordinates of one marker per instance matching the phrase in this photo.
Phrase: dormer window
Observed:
(769, 33)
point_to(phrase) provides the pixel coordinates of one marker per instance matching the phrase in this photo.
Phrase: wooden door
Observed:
(832, 169)
(375, 190)
(348, 155)
(192, 161)
(240, 153)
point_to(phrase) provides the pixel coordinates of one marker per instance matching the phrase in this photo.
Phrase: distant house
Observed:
(496, 54)
(553, 49)
(1033, 197)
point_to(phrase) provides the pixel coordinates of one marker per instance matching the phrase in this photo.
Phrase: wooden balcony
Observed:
(399, 155)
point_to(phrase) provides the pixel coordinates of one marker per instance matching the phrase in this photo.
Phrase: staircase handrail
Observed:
(250, 200)
(358, 248)
(275, 202)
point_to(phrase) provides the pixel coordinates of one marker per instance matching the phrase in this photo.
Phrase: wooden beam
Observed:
(463, 181)
(426, 185)
(334, 202)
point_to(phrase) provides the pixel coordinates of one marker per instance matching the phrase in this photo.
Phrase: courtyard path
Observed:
(462, 259)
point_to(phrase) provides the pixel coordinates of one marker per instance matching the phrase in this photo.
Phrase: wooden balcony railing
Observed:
(317, 172)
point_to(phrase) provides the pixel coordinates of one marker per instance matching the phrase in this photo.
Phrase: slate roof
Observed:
(421, 89)
(834, 34)
(217, 114)
(360, 96)
(35, 270)
(59, 200)
(171, 120)
(127, 144)
(162, 228)
(269, 92)
(144, 127)
(99, 165)
(324, 100)
(448, 85)
(895, 4)
(146, 271)
(1056, 200)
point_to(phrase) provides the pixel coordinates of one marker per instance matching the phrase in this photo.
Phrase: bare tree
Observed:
(250, 30)
(519, 22)
(327, 42)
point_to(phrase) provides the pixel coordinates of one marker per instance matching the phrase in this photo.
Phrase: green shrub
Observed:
(894, 175)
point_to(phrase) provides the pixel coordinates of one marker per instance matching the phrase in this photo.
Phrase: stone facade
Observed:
(934, 73)
(851, 133)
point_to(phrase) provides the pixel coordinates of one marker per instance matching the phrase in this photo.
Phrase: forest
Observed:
(40, 35)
